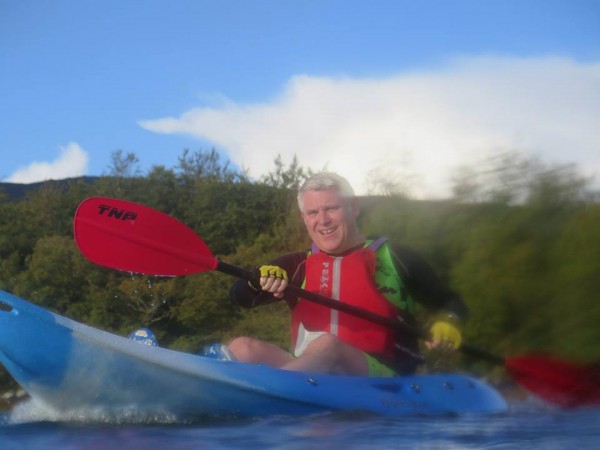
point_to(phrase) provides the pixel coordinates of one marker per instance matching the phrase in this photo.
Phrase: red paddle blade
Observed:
(560, 382)
(135, 238)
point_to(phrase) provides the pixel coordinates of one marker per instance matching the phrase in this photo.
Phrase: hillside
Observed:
(17, 191)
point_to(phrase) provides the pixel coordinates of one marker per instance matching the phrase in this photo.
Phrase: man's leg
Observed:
(254, 351)
(327, 354)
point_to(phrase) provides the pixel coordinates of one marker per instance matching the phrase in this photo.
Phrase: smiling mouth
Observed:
(327, 231)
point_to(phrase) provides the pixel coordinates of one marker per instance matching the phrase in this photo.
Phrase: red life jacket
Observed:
(350, 279)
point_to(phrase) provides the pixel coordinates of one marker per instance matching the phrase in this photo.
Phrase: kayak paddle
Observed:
(563, 383)
(135, 238)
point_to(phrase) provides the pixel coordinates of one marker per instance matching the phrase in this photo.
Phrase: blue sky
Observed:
(405, 90)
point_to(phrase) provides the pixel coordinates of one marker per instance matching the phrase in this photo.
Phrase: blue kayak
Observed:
(69, 366)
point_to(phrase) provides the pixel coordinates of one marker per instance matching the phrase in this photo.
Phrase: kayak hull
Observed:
(69, 366)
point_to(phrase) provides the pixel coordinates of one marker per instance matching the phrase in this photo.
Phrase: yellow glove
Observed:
(273, 279)
(444, 333)
(273, 271)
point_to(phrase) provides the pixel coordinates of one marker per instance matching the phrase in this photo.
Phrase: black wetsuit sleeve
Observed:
(425, 285)
(247, 296)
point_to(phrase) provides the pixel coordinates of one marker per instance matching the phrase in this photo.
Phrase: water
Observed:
(527, 425)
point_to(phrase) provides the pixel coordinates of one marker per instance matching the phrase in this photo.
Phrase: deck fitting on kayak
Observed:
(5, 307)
(312, 381)
(448, 385)
(416, 388)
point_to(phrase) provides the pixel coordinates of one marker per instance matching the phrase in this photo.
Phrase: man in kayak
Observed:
(343, 264)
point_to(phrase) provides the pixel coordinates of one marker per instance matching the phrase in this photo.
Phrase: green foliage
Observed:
(576, 265)
(124, 165)
(205, 311)
(229, 214)
(525, 260)
(287, 178)
(270, 323)
(55, 274)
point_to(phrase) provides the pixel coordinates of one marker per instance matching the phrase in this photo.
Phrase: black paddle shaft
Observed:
(476, 352)
(398, 325)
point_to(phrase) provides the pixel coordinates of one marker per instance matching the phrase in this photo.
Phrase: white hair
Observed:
(323, 181)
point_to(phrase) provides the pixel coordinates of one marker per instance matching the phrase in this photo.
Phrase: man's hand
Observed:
(444, 335)
(273, 279)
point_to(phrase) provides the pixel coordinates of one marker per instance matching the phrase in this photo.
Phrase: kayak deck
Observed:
(68, 365)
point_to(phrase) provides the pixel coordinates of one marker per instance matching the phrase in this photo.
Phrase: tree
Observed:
(575, 314)
(201, 166)
(124, 165)
(512, 178)
(205, 313)
(288, 178)
(56, 275)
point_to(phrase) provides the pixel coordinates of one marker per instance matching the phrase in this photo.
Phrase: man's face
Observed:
(331, 221)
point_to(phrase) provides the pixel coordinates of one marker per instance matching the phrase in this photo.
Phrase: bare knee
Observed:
(341, 358)
(327, 343)
(255, 351)
(242, 348)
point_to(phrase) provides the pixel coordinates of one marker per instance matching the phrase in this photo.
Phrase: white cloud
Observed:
(72, 162)
(418, 126)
